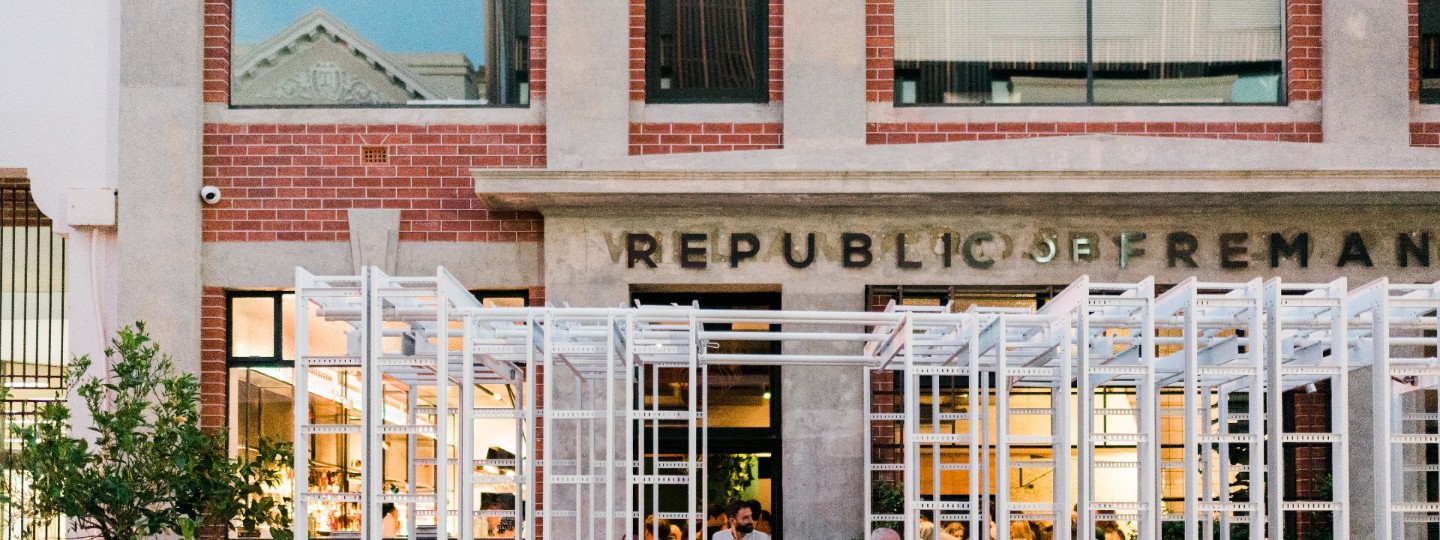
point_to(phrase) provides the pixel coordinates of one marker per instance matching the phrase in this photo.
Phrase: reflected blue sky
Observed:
(397, 26)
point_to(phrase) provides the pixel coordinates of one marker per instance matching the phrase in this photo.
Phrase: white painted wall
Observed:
(59, 105)
(59, 111)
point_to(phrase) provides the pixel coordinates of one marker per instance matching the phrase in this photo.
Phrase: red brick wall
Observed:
(1302, 51)
(880, 51)
(217, 51)
(682, 138)
(1426, 134)
(1311, 462)
(909, 133)
(295, 182)
(1302, 57)
(538, 46)
(213, 378)
(676, 138)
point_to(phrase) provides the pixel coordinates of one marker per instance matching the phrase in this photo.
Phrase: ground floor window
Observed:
(945, 404)
(261, 364)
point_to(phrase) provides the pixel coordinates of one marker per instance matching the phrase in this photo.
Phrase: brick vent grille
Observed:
(374, 154)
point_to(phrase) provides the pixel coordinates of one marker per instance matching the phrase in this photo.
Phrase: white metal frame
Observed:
(589, 380)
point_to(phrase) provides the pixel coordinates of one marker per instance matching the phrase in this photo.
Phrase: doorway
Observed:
(743, 411)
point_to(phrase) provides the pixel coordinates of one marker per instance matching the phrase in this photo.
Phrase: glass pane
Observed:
(1187, 51)
(708, 46)
(252, 331)
(376, 53)
(327, 338)
(1430, 51)
(989, 51)
(262, 406)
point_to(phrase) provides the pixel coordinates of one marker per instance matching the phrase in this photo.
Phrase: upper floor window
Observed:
(1430, 51)
(1096, 52)
(381, 53)
(706, 51)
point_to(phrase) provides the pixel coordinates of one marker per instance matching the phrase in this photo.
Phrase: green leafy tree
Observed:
(147, 467)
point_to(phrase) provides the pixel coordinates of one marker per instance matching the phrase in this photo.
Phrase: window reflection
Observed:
(379, 53)
(1041, 52)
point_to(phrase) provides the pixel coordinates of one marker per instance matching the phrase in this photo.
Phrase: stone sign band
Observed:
(981, 250)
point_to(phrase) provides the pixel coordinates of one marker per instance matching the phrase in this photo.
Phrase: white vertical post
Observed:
(1385, 401)
(976, 411)
(301, 396)
(1191, 427)
(866, 439)
(912, 427)
(1223, 397)
(465, 487)
(631, 417)
(412, 447)
(610, 426)
(371, 417)
(1061, 430)
(1002, 435)
(1149, 418)
(1085, 397)
(692, 418)
(1274, 408)
(1340, 408)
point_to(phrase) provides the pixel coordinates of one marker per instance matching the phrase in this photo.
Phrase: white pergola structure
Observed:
(1111, 403)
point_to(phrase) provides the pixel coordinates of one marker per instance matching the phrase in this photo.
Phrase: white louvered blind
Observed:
(1126, 31)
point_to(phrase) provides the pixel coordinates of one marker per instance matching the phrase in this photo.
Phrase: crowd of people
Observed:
(740, 520)
(1019, 530)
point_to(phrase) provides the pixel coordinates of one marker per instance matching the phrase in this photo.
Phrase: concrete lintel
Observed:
(220, 113)
(547, 190)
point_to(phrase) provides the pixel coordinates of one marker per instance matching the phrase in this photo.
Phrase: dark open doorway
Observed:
(743, 413)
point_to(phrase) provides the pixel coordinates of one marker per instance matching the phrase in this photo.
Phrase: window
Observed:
(1088, 52)
(710, 51)
(1430, 51)
(261, 362)
(334, 53)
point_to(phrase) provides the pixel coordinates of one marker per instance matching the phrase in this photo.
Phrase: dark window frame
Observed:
(660, 16)
(278, 359)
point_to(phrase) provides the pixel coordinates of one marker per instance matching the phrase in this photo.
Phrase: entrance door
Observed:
(743, 413)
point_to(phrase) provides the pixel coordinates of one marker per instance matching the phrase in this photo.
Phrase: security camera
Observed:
(210, 194)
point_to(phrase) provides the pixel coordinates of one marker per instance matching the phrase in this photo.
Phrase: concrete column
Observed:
(824, 74)
(159, 215)
(823, 418)
(1366, 75)
(587, 99)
